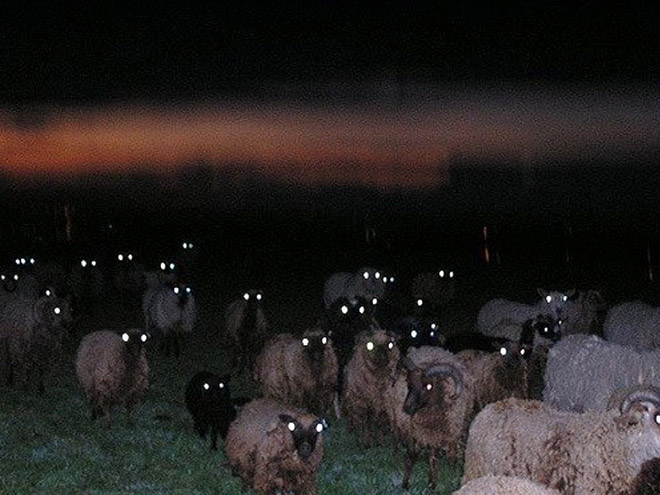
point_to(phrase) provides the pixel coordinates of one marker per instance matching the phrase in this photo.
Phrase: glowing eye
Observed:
(429, 386)
(291, 426)
(143, 337)
(420, 302)
(83, 263)
(370, 346)
(442, 274)
(130, 257)
(657, 419)
(377, 275)
(413, 334)
(522, 352)
(176, 290)
(185, 245)
(22, 261)
(2, 277)
(125, 337)
(305, 342)
(15, 277)
(57, 311)
(190, 245)
(48, 293)
(503, 351)
(432, 334)
(171, 266)
(546, 329)
(374, 301)
(319, 428)
(451, 274)
(188, 290)
(120, 257)
(366, 275)
(163, 266)
(206, 386)
(548, 299)
(391, 279)
(259, 297)
(390, 345)
(344, 309)
(564, 298)
(324, 340)
(246, 296)
(222, 385)
(560, 322)
(361, 310)
(17, 261)
(32, 261)
(93, 263)
(434, 326)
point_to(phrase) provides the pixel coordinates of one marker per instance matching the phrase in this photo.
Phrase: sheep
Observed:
(584, 370)
(87, 283)
(208, 401)
(367, 282)
(33, 332)
(634, 324)
(275, 448)
(647, 481)
(436, 288)
(301, 371)
(430, 406)
(367, 379)
(246, 327)
(172, 312)
(495, 311)
(504, 485)
(543, 330)
(128, 275)
(593, 452)
(113, 370)
(166, 273)
(583, 313)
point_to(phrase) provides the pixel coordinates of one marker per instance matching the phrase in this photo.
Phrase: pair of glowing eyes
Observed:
(292, 427)
(167, 266)
(84, 263)
(414, 333)
(176, 290)
(504, 351)
(128, 257)
(548, 298)
(125, 337)
(305, 341)
(371, 346)
(246, 296)
(3, 278)
(24, 261)
(187, 245)
(207, 386)
(442, 274)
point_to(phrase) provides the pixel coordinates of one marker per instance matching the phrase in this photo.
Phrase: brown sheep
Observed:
(275, 448)
(113, 370)
(301, 371)
(368, 377)
(430, 407)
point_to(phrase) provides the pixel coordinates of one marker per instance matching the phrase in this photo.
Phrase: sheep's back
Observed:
(633, 323)
(504, 485)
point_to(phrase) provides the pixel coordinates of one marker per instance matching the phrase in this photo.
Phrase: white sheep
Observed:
(583, 371)
(635, 324)
(113, 370)
(504, 485)
(170, 311)
(580, 454)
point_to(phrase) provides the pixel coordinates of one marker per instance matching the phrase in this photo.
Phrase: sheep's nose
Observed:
(305, 450)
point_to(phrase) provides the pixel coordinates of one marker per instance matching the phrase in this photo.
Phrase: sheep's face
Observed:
(314, 346)
(548, 327)
(253, 297)
(420, 333)
(9, 280)
(125, 258)
(134, 342)
(446, 275)
(304, 437)
(371, 279)
(214, 390)
(431, 387)
(380, 350)
(187, 246)
(555, 300)
(642, 420)
(182, 293)
(88, 263)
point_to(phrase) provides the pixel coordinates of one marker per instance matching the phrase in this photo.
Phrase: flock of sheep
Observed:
(560, 396)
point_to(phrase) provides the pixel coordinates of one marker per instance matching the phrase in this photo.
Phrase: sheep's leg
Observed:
(106, 412)
(214, 436)
(200, 429)
(177, 346)
(433, 468)
(408, 462)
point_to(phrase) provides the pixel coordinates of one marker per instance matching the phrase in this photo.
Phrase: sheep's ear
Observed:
(571, 293)
(226, 379)
(542, 292)
(288, 421)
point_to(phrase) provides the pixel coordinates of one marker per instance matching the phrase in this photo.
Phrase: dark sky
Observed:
(100, 51)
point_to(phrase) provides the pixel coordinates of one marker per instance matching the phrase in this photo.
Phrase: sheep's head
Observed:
(182, 293)
(125, 258)
(187, 246)
(555, 300)
(88, 263)
(545, 325)
(446, 275)
(304, 436)
(134, 342)
(431, 386)
(640, 416)
(9, 280)
(253, 297)
(214, 390)
(379, 350)
(314, 344)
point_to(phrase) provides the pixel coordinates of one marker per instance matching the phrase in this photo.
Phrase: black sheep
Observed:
(209, 402)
